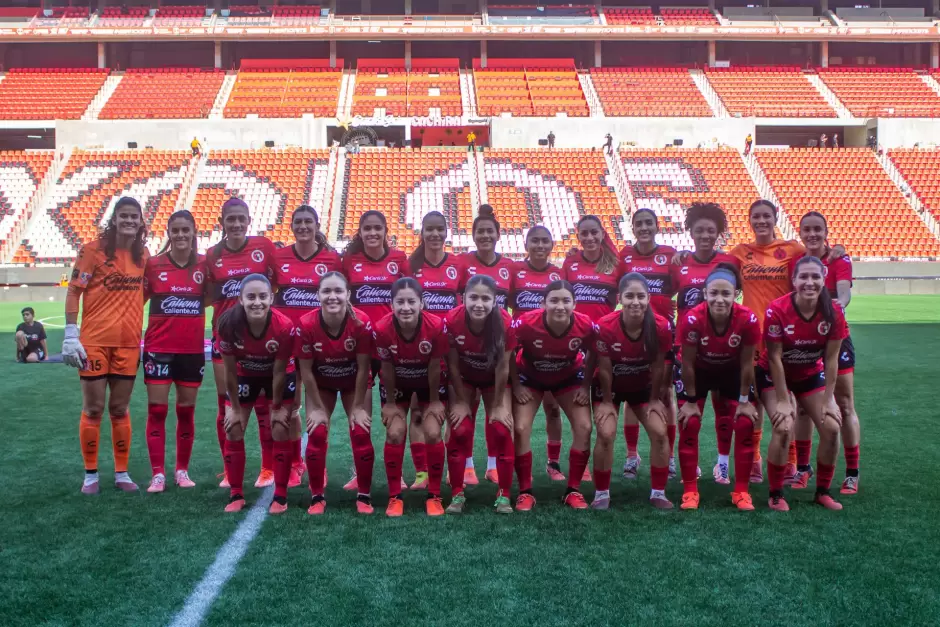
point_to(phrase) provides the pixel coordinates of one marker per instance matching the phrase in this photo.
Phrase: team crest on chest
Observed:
(660, 260)
(574, 344)
(349, 344)
(554, 276)
(320, 269)
(734, 341)
(257, 256)
(451, 272)
(392, 267)
(198, 277)
(272, 346)
(424, 347)
(504, 274)
(823, 328)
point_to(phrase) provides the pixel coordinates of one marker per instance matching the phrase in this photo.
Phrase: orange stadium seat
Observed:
(866, 211)
(528, 91)
(882, 92)
(164, 93)
(49, 93)
(669, 180)
(21, 173)
(379, 88)
(285, 93)
(649, 92)
(920, 169)
(768, 92)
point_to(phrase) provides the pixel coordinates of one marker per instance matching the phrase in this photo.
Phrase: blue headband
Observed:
(721, 273)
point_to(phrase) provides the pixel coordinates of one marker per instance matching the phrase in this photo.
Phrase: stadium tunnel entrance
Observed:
(27, 138)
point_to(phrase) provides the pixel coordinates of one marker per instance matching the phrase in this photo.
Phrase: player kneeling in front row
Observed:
(803, 332)
(482, 343)
(333, 351)
(718, 339)
(631, 351)
(256, 343)
(30, 339)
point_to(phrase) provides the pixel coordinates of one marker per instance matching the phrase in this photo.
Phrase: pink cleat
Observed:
(183, 480)
(157, 484)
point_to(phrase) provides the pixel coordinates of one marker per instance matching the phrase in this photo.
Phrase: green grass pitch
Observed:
(121, 559)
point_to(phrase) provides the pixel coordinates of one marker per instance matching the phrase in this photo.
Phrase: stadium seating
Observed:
(649, 92)
(122, 17)
(550, 187)
(529, 87)
(405, 185)
(434, 88)
(688, 17)
(296, 16)
(882, 92)
(669, 180)
(83, 197)
(866, 211)
(21, 173)
(768, 92)
(502, 91)
(542, 13)
(272, 183)
(920, 169)
(179, 17)
(285, 93)
(381, 88)
(164, 93)
(49, 94)
(64, 17)
(249, 15)
(640, 16)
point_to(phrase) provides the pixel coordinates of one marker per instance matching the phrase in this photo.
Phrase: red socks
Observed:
(435, 453)
(263, 412)
(632, 435)
(775, 476)
(283, 458)
(659, 475)
(456, 454)
(577, 462)
(804, 450)
(523, 464)
(156, 436)
(851, 458)
(743, 453)
(688, 453)
(235, 465)
(492, 450)
(601, 479)
(316, 459)
(724, 424)
(824, 473)
(394, 458)
(220, 422)
(363, 457)
(791, 453)
(553, 450)
(671, 434)
(505, 456)
(474, 408)
(297, 456)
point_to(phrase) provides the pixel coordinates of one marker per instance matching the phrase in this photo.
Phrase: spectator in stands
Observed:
(823, 141)
(551, 139)
(748, 142)
(196, 146)
(471, 140)
(835, 140)
(30, 339)
(871, 142)
(609, 144)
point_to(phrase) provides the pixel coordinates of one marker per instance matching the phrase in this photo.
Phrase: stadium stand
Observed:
(63, 17)
(649, 92)
(768, 92)
(550, 187)
(49, 93)
(179, 17)
(529, 87)
(543, 13)
(866, 211)
(283, 90)
(248, 15)
(381, 84)
(434, 84)
(882, 92)
(688, 17)
(405, 185)
(640, 16)
(21, 173)
(669, 180)
(295, 16)
(272, 183)
(122, 16)
(920, 168)
(164, 93)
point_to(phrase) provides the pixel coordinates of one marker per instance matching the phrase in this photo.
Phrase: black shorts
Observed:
(847, 356)
(250, 388)
(166, 368)
(801, 388)
(403, 395)
(22, 355)
(633, 399)
(557, 389)
(727, 384)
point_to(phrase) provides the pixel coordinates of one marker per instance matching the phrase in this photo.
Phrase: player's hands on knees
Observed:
(656, 410)
(391, 412)
(360, 418)
(502, 415)
(782, 418)
(747, 409)
(73, 353)
(604, 412)
(582, 396)
(686, 411)
(458, 411)
(435, 411)
(280, 415)
(315, 417)
(522, 394)
(232, 418)
(831, 410)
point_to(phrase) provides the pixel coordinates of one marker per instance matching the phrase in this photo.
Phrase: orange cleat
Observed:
(553, 470)
(296, 475)
(470, 476)
(317, 506)
(352, 484)
(849, 486)
(224, 483)
(235, 504)
(743, 501)
(434, 507)
(778, 504)
(277, 508)
(364, 505)
(827, 501)
(396, 507)
(491, 476)
(575, 500)
(586, 476)
(690, 500)
(801, 479)
(265, 478)
(525, 502)
(421, 481)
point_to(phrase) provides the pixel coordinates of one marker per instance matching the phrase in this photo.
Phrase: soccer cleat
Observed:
(317, 506)
(601, 502)
(575, 500)
(743, 501)
(631, 467)
(672, 468)
(235, 504)
(659, 501)
(433, 506)
(421, 481)
(157, 484)
(553, 470)
(364, 505)
(265, 478)
(352, 484)
(396, 507)
(778, 504)
(801, 479)
(456, 504)
(525, 502)
(491, 475)
(123, 482)
(789, 474)
(757, 472)
(849, 486)
(690, 500)
(586, 476)
(224, 483)
(823, 498)
(503, 505)
(297, 475)
(90, 485)
(720, 472)
(278, 507)
(470, 476)
(183, 480)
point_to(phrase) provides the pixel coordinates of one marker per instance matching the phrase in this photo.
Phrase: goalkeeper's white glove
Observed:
(73, 353)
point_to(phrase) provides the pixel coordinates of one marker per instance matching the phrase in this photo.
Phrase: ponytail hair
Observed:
(356, 245)
(609, 258)
(825, 299)
(417, 258)
(559, 285)
(319, 237)
(233, 322)
(216, 251)
(185, 215)
(333, 274)
(763, 202)
(650, 334)
(494, 330)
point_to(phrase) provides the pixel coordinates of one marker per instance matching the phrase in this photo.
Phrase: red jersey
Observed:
(595, 294)
(227, 268)
(298, 279)
(550, 358)
(688, 278)
(655, 267)
(371, 280)
(470, 349)
(718, 350)
(839, 269)
(500, 271)
(527, 286)
(629, 358)
(411, 357)
(177, 305)
(255, 356)
(804, 341)
(335, 358)
(440, 284)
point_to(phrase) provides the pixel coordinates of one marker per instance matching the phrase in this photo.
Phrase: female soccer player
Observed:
(814, 231)
(485, 260)
(411, 345)
(719, 339)
(530, 277)
(256, 343)
(108, 282)
(297, 272)
(652, 260)
(631, 348)
(803, 333)
(334, 349)
(175, 282)
(236, 256)
(482, 343)
(594, 271)
(550, 358)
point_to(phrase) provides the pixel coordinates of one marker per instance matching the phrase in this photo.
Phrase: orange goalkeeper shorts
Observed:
(117, 363)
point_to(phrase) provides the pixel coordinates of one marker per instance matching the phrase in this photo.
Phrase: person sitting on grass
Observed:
(30, 339)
